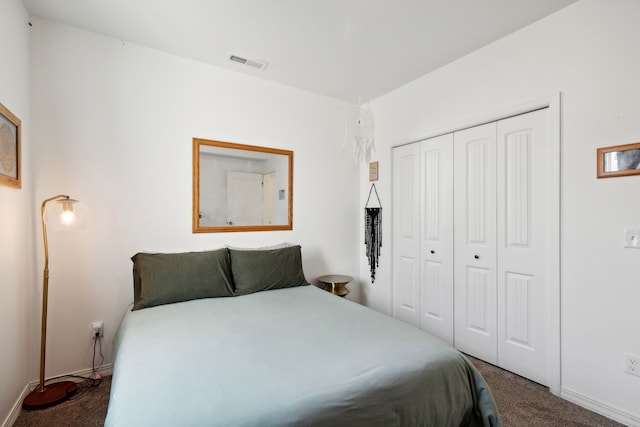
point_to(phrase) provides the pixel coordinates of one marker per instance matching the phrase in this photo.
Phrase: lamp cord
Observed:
(96, 340)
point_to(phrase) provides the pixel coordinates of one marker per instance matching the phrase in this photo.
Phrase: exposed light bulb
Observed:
(67, 217)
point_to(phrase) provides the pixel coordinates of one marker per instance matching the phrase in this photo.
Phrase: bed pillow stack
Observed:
(168, 278)
(261, 270)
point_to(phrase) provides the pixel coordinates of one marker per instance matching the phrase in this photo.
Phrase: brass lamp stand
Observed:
(51, 394)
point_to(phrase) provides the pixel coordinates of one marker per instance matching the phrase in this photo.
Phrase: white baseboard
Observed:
(17, 407)
(616, 414)
(15, 411)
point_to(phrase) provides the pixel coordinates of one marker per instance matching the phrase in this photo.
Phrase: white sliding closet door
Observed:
(475, 242)
(436, 236)
(525, 245)
(406, 234)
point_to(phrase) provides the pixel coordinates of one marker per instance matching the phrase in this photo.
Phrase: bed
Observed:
(282, 356)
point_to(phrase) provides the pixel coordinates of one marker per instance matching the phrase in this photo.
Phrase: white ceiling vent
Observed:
(260, 65)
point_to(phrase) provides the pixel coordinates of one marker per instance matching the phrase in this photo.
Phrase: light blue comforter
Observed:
(288, 357)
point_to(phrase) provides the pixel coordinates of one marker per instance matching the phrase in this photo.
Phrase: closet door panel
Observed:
(524, 242)
(475, 241)
(406, 231)
(436, 236)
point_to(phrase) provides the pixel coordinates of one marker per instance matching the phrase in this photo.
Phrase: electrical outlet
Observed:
(97, 328)
(632, 238)
(632, 364)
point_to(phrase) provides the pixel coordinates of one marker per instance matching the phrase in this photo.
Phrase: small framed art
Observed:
(619, 160)
(10, 156)
(373, 171)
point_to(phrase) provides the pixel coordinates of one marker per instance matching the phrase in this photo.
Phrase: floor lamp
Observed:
(63, 213)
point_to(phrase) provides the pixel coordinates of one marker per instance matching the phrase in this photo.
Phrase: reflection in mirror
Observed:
(616, 161)
(240, 187)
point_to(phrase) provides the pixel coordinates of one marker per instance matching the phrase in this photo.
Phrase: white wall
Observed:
(113, 125)
(16, 215)
(588, 52)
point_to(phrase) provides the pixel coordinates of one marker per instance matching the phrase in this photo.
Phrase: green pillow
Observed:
(261, 270)
(168, 278)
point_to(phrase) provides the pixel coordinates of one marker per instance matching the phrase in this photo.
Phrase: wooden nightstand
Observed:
(335, 283)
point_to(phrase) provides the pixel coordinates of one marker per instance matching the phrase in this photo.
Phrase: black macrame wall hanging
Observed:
(373, 232)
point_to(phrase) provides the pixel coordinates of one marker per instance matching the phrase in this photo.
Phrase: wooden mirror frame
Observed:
(602, 152)
(197, 228)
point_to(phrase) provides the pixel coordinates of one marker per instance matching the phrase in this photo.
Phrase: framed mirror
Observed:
(239, 187)
(620, 160)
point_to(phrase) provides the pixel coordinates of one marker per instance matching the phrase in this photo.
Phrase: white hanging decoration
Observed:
(358, 131)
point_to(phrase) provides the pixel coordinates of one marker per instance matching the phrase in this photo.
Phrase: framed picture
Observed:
(619, 160)
(10, 167)
(373, 171)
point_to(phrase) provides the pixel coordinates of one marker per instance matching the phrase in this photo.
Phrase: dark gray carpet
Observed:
(86, 408)
(520, 403)
(524, 403)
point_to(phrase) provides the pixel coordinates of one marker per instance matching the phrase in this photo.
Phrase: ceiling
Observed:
(345, 49)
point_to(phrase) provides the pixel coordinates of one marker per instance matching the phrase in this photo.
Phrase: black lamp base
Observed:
(51, 395)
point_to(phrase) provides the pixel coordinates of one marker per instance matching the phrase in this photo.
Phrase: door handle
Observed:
(432, 251)
(476, 256)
